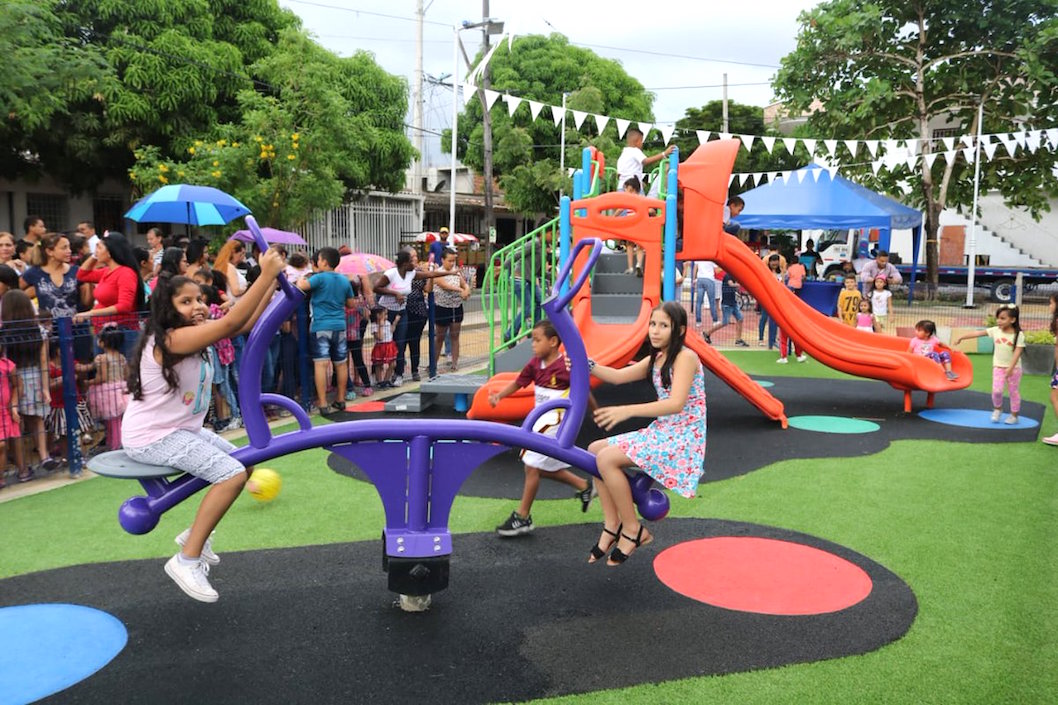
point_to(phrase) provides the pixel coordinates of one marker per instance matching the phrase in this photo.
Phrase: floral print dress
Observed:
(672, 448)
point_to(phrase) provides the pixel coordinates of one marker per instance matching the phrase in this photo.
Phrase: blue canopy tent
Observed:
(833, 202)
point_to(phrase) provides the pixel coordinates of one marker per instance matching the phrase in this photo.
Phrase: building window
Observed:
(108, 212)
(943, 132)
(54, 208)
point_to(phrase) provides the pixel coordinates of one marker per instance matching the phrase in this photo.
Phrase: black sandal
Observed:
(597, 552)
(617, 556)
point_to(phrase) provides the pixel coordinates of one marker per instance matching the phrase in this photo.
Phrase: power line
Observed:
(371, 13)
(677, 56)
(711, 85)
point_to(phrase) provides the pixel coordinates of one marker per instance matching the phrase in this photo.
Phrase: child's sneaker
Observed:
(587, 495)
(741, 343)
(350, 395)
(367, 391)
(1051, 440)
(996, 415)
(782, 361)
(207, 548)
(802, 358)
(515, 526)
(1011, 420)
(397, 381)
(951, 376)
(191, 578)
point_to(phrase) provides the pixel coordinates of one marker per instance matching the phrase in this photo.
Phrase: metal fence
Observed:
(374, 222)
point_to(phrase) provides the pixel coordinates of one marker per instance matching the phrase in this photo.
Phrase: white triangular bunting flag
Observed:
(556, 114)
(535, 108)
(912, 146)
(703, 136)
(911, 161)
(950, 156)
(512, 104)
(769, 143)
(601, 121)
(872, 147)
(1011, 145)
(815, 174)
(810, 145)
(968, 153)
(968, 140)
(469, 91)
(801, 174)
(786, 177)
(1019, 137)
(490, 97)
(730, 180)
(990, 149)
(645, 128)
(774, 176)
(724, 135)
(853, 146)
(622, 127)
(929, 159)
(790, 143)
(1032, 140)
(579, 117)
(666, 131)
(832, 171)
(1052, 137)
(891, 146)
(743, 178)
(949, 143)
(747, 142)
(570, 171)
(831, 146)
(876, 165)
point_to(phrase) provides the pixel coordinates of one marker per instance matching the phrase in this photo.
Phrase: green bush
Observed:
(1039, 337)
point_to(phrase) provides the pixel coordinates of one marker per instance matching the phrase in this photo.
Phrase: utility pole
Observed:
(486, 83)
(724, 126)
(416, 186)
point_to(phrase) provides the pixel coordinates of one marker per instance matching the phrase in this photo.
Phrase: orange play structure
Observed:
(704, 179)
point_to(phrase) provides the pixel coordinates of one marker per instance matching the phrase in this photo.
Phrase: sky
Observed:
(678, 50)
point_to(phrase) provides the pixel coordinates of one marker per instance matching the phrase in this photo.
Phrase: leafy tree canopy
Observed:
(526, 152)
(900, 69)
(323, 125)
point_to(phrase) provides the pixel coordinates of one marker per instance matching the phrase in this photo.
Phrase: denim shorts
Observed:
(731, 312)
(329, 345)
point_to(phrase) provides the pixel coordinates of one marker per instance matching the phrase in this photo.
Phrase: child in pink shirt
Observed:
(926, 344)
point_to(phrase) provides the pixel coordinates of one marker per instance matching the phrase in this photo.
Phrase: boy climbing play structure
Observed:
(651, 224)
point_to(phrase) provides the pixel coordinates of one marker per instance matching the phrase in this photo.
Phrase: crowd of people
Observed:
(103, 285)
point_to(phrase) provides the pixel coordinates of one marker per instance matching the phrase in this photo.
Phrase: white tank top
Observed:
(163, 410)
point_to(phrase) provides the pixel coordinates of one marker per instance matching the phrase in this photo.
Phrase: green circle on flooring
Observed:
(832, 424)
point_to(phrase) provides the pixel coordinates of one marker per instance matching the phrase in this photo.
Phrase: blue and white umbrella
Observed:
(191, 205)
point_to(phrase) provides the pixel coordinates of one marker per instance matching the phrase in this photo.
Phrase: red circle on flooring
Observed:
(766, 576)
(366, 406)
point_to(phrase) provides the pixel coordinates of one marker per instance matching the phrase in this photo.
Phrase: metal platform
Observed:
(115, 463)
(410, 402)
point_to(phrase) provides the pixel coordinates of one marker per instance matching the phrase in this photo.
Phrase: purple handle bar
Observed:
(438, 455)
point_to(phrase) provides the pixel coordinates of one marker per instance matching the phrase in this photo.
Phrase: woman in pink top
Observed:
(118, 289)
(171, 382)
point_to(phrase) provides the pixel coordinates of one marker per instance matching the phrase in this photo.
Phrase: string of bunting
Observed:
(888, 154)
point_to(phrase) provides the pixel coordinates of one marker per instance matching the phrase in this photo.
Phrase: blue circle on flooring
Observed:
(764, 383)
(832, 424)
(49, 647)
(975, 418)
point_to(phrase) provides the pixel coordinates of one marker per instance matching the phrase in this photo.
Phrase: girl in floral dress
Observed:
(671, 449)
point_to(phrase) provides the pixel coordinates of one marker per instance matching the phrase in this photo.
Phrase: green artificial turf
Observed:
(970, 527)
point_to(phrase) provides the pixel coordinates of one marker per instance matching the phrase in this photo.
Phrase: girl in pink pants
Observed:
(1008, 344)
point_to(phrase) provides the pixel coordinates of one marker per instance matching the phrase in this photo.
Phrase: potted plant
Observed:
(1038, 358)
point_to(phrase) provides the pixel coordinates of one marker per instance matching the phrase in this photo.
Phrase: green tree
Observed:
(898, 70)
(526, 152)
(742, 119)
(45, 73)
(324, 125)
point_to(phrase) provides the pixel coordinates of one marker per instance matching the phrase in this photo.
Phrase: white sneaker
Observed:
(207, 548)
(802, 358)
(398, 381)
(996, 414)
(1011, 420)
(192, 579)
(782, 361)
(1051, 440)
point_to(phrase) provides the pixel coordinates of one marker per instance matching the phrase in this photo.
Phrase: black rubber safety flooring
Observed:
(520, 620)
(741, 440)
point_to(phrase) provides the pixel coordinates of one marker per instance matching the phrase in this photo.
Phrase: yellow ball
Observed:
(264, 484)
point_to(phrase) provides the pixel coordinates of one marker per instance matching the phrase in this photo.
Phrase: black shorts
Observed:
(447, 316)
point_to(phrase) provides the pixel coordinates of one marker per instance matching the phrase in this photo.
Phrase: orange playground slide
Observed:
(826, 339)
(734, 377)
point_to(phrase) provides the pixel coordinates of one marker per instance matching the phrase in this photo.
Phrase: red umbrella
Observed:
(363, 263)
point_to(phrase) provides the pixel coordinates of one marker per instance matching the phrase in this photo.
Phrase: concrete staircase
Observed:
(1016, 227)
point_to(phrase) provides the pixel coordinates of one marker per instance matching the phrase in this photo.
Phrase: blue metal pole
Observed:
(69, 395)
(669, 278)
(585, 167)
(565, 235)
